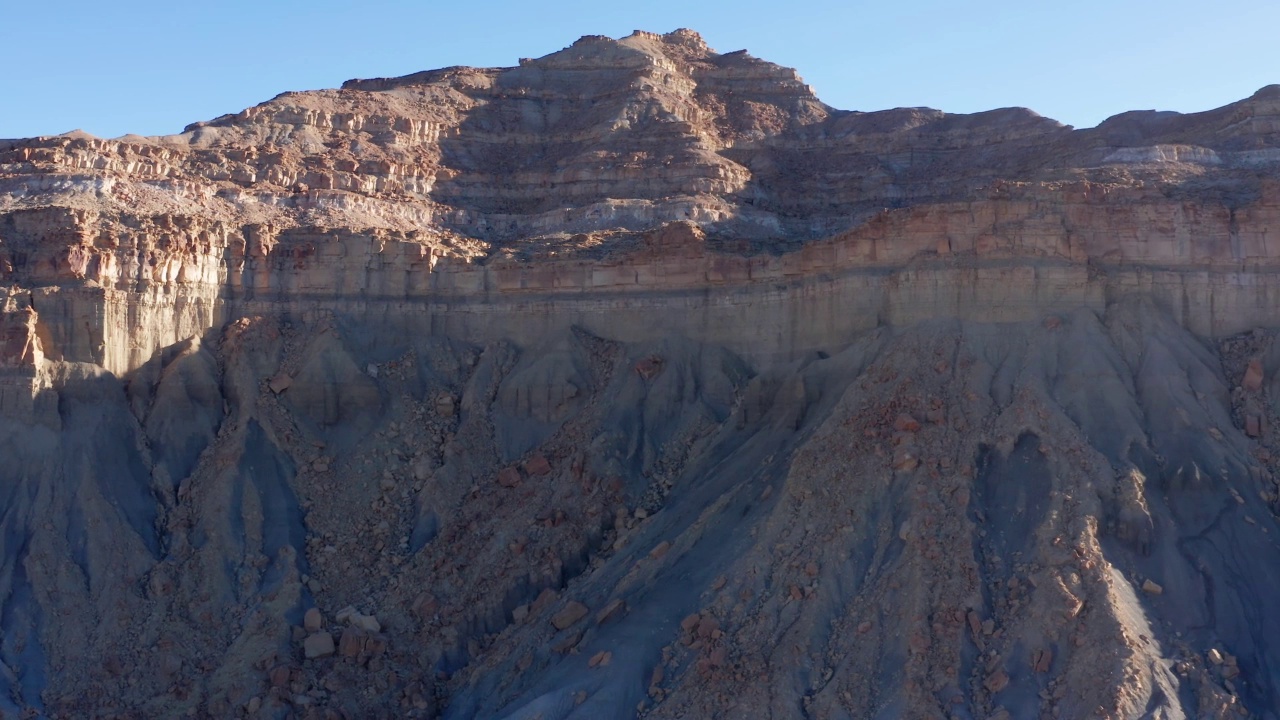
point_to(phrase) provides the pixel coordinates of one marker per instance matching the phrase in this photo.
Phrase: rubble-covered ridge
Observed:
(635, 381)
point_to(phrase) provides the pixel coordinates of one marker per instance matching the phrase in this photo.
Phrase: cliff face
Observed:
(635, 379)
(497, 186)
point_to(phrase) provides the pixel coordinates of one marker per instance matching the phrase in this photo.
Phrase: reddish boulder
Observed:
(569, 614)
(537, 465)
(509, 477)
(1253, 376)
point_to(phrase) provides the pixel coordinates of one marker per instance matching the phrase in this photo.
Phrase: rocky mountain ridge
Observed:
(636, 380)
(548, 166)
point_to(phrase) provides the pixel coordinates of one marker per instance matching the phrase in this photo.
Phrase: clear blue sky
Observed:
(150, 68)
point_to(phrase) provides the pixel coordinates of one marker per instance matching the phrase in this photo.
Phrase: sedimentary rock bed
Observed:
(636, 381)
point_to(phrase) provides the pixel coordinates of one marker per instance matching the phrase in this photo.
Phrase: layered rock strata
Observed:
(636, 380)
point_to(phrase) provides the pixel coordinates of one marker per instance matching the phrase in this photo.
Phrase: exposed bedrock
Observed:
(635, 381)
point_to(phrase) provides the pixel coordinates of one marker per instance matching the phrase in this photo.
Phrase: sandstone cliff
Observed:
(636, 380)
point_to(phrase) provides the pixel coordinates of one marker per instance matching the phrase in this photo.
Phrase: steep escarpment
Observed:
(635, 381)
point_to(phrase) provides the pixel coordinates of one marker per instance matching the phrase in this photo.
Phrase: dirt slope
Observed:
(634, 381)
(1063, 518)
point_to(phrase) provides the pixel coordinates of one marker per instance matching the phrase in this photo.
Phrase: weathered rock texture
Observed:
(634, 380)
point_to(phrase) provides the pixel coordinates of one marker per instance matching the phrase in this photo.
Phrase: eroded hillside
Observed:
(636, 381)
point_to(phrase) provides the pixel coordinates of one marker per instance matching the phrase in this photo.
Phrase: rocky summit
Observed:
(635, 381)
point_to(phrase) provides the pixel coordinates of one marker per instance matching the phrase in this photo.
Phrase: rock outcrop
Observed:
(635, 380)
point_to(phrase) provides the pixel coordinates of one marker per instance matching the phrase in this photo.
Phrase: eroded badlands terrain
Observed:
(635, 381)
